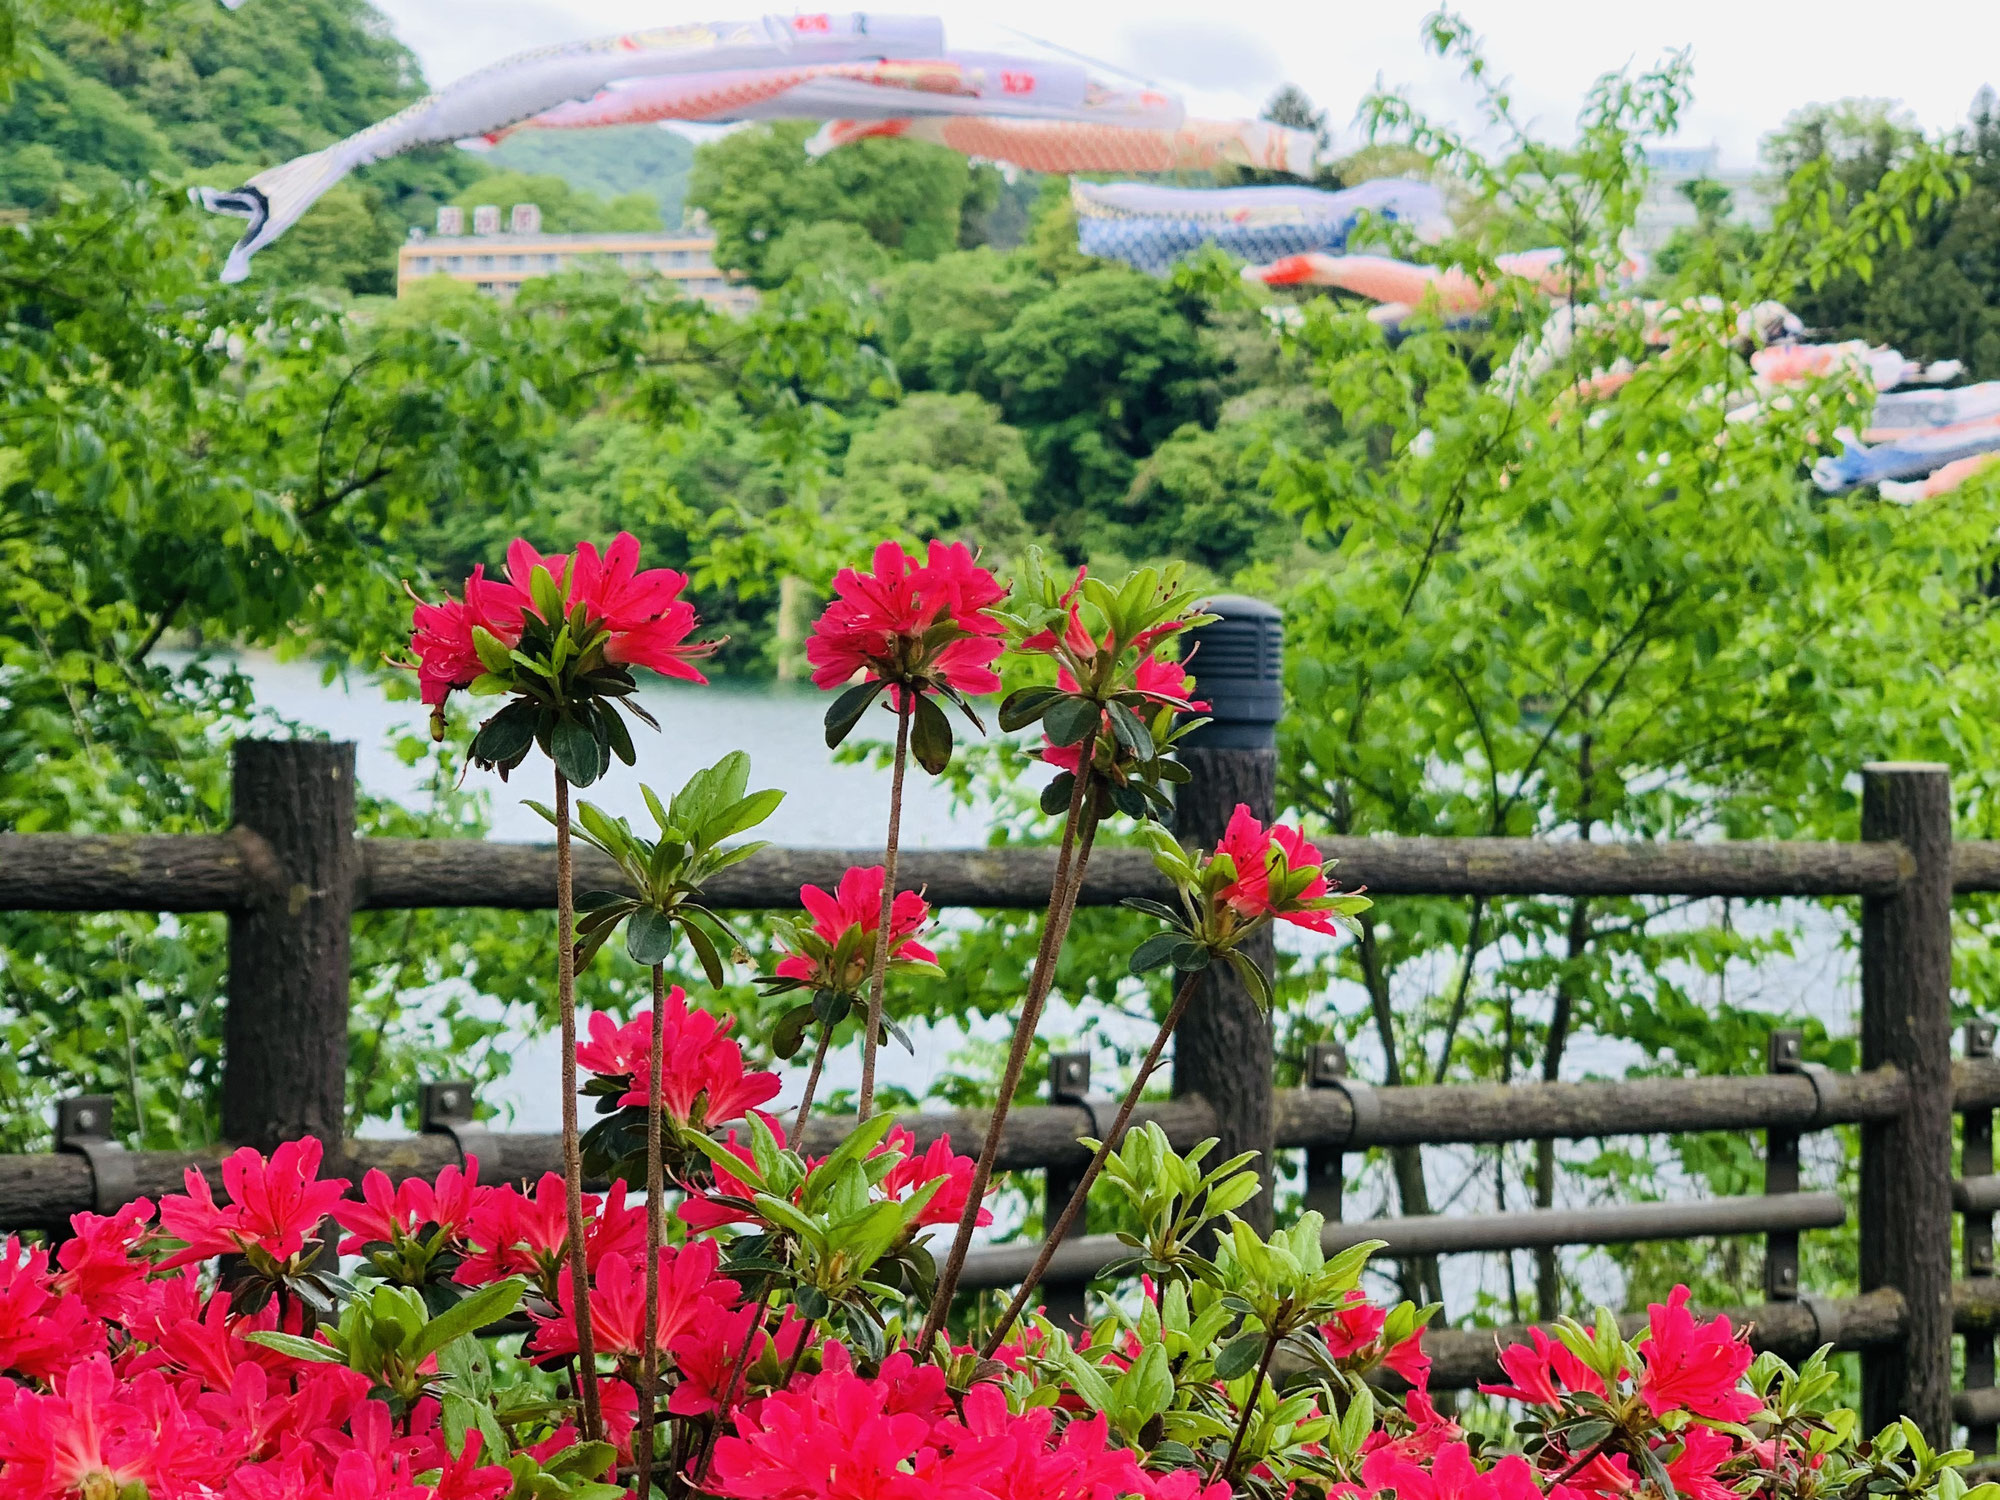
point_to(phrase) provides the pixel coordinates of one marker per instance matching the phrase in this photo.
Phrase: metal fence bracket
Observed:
(83, 1128)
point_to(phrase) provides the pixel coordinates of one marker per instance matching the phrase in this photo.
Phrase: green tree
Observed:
(1098, 373)
(943, 466)
(911, 198)
(1937, 297)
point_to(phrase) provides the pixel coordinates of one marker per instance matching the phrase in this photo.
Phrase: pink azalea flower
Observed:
(701, 1065)
(1251, 845)
(917, 1171)
(1542, 1370)
(387, 1213)
(856, 904)
(41, 1331)
(690, 1294)
(1695, 1367)
(877, 624)
(513, 1234)
(1692, 1470)
(273, 1205)
(97, 1262)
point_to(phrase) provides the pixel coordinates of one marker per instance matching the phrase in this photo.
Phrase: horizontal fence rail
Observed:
(41, 1191)
(238, 870)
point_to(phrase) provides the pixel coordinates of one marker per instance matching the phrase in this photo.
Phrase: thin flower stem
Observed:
(878, 980)
(812, 1083)
(735, 1376)
(656, 1191)
(1081, 1195)
(579, 1268)
(1249, 1410)
(1055, 927)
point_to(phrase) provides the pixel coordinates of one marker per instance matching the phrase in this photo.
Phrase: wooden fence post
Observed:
(284, 1059)
(1223, 1050)
(1906, 1207)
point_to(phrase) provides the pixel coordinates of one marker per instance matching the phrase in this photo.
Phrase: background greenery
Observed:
(1505, 615)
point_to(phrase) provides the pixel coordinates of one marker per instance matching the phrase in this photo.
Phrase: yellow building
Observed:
(498, 263)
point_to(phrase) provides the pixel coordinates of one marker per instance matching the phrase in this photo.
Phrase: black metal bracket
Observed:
(447, 1108)
(1787, 1048)
(1069, 1083)
(83, 1128)
(1326, 1068)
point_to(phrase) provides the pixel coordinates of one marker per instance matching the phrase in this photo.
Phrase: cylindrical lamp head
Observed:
(1238, 665)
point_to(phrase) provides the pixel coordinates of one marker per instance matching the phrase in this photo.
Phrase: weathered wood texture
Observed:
(1223, 1051)
(1905, 1207)
(1456, 1234)
(284, 1052)
(1469, 1113)
(218, 872)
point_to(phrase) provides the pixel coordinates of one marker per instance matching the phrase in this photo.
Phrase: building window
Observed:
(551, 262)
(517, 262)
(483, 262)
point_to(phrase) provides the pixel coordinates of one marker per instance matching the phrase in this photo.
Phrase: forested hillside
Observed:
(205, 94)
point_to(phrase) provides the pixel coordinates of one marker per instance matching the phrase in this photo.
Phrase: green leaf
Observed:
(1130, 733)
(1025, 705)
(573, 747)
(1071, 720)
(847, 710)
(1055, 796)
(505, 738)
(704, 950)
(790, 1032)
(493, 652)
(649, 936)
(930, 735)
(487, 1305)
(746, 813)
(1156, 950)
(298, 1348)
(1240, 1355)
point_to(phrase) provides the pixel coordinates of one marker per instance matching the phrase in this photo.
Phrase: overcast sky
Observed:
(1755, 60)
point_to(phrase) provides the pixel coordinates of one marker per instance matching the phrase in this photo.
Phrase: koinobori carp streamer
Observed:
(1150, 228)
(1109, 136)
(524, 85)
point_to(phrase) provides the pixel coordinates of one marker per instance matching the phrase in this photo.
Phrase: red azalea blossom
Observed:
(273, 1205)
(857, 903)
(387, 1213)
(875, 627)
(1695, 1367)
(1250, 845)
(516, 1235)
(648, 621)
(1161, 682)
(1693, 1468)
(1542, 1370)
(690, 1294)
(700, 1063)
(938, 1163)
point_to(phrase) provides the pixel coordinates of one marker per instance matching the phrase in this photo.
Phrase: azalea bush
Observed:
(733, 1316)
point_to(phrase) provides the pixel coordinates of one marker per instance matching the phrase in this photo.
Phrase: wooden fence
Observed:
(291, 873)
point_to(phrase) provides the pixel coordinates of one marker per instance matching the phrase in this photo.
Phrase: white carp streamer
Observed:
(1096, 144)
(527, 84)
(958, 82)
